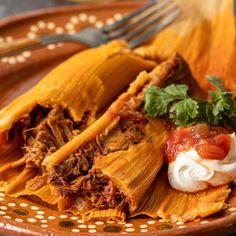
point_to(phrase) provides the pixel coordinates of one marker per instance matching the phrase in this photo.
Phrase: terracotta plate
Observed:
(19, 73)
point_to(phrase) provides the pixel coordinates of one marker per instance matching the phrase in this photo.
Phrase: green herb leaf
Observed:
(174, 103)
(177, 91)
(184, 112)
(157, 100)
(218, 82)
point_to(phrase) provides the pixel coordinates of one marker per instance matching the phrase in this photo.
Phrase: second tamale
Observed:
(61, 105)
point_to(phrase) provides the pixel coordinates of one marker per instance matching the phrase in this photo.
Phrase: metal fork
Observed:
(135, 28)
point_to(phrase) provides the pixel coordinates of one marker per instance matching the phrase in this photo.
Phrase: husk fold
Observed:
(174, 206)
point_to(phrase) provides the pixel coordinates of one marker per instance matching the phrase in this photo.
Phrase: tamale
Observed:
(61, 105)
(109, 166)
(171, 205)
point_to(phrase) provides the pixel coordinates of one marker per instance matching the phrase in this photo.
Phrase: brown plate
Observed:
(19, 73)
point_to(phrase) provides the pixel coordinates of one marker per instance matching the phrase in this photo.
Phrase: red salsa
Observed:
(210, 142)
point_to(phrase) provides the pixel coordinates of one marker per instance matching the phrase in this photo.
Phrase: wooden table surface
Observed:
(13, 7)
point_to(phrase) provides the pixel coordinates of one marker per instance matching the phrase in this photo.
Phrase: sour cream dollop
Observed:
(190, 172)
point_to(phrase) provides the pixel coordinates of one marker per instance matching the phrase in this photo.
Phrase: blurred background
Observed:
(13, 7)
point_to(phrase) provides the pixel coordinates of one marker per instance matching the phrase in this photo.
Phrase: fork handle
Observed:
(19, 45)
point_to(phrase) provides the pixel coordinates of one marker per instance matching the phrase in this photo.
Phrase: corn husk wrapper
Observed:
(171, 205)
(204, 35)
(134, 170)
(87, 81)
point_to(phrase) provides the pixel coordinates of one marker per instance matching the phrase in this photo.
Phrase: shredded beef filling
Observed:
(74, 177)
(48, 135)
(44, 131)
(101, 193)
(127, 132)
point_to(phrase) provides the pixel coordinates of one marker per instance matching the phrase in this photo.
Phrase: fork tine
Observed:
(147, 24)
(148, 34)
(120, 31)
(126, 18)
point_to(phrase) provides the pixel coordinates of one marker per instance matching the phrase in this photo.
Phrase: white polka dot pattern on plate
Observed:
(110, 21)
(26, 54)
(34, 28)
(83, 17)
(82, 226)
(59, 30)
(44, 226)
(19, 220)
(99, 222)
(143, 226)
(80, 221)
(12, 60)
(41, 24)
(3, 208)
(99, 24)
(151, 222)
(129, 225)
(74, 20)
(43, 27)
(51, 25)
(91, 226)
(51, 46)
(92, 19)
(130, 229)
(40, 212)
(35, 208)
(63, 216)
(118, 16)
(31, 220)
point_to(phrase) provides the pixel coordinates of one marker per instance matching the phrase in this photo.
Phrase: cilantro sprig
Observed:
(174, 102)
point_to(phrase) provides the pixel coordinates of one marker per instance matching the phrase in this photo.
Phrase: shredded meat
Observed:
(74, 176)
(48, 133)
(77, 164)
(100, 192)
(126, 133)
(44, 131)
